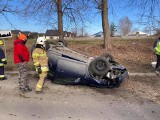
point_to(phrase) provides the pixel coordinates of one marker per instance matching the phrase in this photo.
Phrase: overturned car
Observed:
(70, 67)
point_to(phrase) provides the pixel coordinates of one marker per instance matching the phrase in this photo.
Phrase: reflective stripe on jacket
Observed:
(1, 64)
(2, 57)
(2, 76)
(44, 69)
(157, 48)
(40, 58)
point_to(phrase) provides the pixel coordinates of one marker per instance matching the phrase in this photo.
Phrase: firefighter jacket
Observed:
(2, 58)
(40, 58)
(20, 49)
(157, 48)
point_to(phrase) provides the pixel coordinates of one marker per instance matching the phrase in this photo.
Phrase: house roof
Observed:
(41, 34)
(142, 33)
(25, 32)
(137, 33)
(69, 33)
(52, 33)
(56, 33)
(15, 31)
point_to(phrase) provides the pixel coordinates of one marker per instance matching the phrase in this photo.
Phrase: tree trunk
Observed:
(105, 24)
(60, 18)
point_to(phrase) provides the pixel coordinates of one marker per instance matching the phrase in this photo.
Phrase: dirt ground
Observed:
(137, 97)
(137, 58)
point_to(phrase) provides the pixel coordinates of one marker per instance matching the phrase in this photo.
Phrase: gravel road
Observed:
(137, 99)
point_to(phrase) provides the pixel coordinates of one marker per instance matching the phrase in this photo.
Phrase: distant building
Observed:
(25, 32)
(99, 34)
(73, 35)
(54, 34)
(15, 33)
(138, 33)
(41, 34)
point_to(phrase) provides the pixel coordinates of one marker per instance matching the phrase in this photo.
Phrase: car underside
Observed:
(73, 68)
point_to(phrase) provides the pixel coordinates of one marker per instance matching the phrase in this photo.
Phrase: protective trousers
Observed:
(2, 76)
(23, 81)
(41, 81)
(158, 62)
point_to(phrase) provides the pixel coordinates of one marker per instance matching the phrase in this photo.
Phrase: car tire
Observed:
(63, 42)
(99, 67)
(108, 57)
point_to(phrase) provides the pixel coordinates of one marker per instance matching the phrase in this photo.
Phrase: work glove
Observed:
(39, 69)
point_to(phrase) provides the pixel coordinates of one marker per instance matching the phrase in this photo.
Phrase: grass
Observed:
(8, 47)
(74, 42)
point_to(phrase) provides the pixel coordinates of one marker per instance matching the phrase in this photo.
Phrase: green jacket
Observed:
(157, 48)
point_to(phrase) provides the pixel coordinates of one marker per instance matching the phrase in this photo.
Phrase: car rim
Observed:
(100, 65)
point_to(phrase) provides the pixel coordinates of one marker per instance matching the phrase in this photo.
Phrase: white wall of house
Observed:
(52, 37)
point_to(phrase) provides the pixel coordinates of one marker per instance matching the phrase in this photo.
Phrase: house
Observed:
(138, 33)
(73, 35)
(52, 34)
(99, 34)
(41, 34)
(26, 32)
(69, 34)
(65, 34)
(15, 33)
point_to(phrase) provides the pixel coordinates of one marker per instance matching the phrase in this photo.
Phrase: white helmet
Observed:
(41, 40)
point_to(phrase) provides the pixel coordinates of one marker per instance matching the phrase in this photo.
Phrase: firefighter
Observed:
(40, 59)
(157, 52)
(2, 62)
(21, 59)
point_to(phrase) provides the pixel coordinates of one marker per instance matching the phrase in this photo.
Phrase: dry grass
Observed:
(135, 54)
(9, 54)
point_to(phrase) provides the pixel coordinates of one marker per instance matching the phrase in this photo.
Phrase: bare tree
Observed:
(6, 8)
(51, 12)
(149, 12)
(102, 5)
(125, 25)
(60, 18)
(105, 23)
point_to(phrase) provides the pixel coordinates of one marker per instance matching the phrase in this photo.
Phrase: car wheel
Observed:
(99, 67)
(108, 57)
(62, 42)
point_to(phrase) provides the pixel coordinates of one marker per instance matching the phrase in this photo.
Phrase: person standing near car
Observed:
(40, 59)
(156, 47)
(2, 62)
(21, 59)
